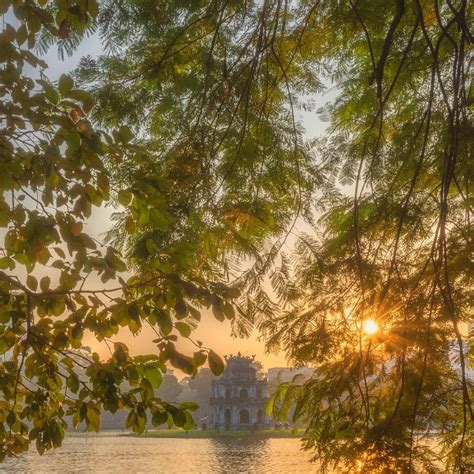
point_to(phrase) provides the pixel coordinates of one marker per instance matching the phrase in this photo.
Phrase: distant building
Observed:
(286, 374)
(238, 398)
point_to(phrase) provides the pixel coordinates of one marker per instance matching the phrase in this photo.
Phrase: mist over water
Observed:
(109, 452)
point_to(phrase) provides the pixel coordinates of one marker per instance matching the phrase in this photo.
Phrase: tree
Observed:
(258, 366)
(161, 268)
(395, 252)
(170, 389)
(228, 78)
(202, 382)
(201, 385)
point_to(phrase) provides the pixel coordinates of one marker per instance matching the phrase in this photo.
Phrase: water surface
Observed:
(109, 452)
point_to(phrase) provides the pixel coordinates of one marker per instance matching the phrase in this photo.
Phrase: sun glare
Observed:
(370, 326)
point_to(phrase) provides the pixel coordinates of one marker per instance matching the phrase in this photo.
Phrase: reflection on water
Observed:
(245, 453)
(107, 452)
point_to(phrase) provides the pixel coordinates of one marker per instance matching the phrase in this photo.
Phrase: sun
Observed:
(370, 327)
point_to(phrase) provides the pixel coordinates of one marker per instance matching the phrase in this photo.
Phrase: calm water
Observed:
(108, 452)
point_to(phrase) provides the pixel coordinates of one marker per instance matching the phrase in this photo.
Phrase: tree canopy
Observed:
(189, 124)
(163, 267)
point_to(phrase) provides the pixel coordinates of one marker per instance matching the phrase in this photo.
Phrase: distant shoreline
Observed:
(197, 433)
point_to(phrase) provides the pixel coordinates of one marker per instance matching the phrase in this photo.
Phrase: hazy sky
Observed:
(211, 332)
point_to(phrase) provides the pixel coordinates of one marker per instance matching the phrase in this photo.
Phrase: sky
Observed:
(212, 333)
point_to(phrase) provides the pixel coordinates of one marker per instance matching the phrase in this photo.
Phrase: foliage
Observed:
(199, 390)
(161, 270)
(170, 389)
(392, 245)
(397, 251)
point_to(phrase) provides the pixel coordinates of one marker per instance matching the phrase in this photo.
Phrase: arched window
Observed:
(227, 419)
(243, 394)
(228, 393)
(259, 417)
(244, 417)
(259, 394)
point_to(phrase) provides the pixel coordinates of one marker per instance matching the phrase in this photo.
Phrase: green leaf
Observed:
(65, 84)
(4, 346)
(21, 34)
(93, 418)
(143, 216)
(40, 447)
(60, 252)
(159, 418)
(92, 7)
(87, 241)
(199, 357)
(80, 95)
(218, 312)
(195, 314)
(159, 220)
(58, 307)
(190, 423)
(125, 134)
(232, 293)
(4, 261)
(153, 375)
(189, 406)
(31, 282)
(73, 383)
(183, 362)
(44, 283)
(181, 309)
(229, 311)
(269, 406)
(150, 246)
(183, 328)
(124, 197)
(164, 321)
(179, 418)
(216, 364)
(51, 93)
(120, 351)
(4, 6)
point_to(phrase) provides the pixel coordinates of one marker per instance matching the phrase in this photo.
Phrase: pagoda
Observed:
(238, 397)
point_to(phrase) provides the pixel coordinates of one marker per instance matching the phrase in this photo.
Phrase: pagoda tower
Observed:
(238, 397)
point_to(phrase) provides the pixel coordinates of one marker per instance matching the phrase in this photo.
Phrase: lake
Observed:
(109, 452)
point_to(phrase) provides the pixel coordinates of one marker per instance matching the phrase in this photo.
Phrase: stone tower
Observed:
(238, 398)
